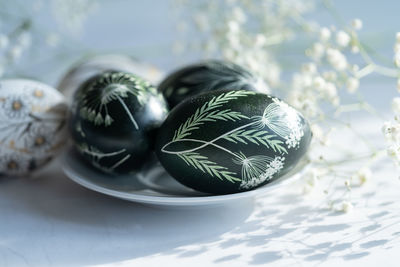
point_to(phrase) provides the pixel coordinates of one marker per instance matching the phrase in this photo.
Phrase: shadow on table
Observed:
(289, 231)
(71, 225)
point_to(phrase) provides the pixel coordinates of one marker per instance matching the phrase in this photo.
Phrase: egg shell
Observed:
(33, 125)
(114, 119)
(90, 66)
(225, 142)
(207, 76)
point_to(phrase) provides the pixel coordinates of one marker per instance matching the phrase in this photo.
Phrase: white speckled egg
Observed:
(89, 67)
(32, 123)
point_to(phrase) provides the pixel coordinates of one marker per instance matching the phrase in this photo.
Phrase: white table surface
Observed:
(50, 221)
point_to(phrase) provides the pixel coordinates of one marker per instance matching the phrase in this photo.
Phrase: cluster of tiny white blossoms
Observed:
(230, 27)
(18, 32)
(391, 129)
(327, 72)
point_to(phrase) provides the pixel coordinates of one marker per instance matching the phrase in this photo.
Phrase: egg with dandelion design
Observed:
(113, 121)
(207, 76)
(225, 142)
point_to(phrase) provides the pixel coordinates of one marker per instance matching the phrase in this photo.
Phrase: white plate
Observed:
(156, 187)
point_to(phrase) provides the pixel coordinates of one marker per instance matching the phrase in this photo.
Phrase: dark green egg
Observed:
(113, 121)
(208, 76)
(225, 142)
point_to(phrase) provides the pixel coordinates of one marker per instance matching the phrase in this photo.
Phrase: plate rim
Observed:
(173, 200)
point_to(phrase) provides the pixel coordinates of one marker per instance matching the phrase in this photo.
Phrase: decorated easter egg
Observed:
(113, 121)
(224, 142)
(91, 66)
(32, 121)
(208, 76)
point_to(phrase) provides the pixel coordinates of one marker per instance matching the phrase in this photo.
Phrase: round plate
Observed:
(156, 187)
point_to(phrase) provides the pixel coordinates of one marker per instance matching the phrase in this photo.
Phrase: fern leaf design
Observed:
(205, 165)
(208, 112)
(256, 137)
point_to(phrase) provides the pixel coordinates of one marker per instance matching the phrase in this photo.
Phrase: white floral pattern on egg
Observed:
(32, 125)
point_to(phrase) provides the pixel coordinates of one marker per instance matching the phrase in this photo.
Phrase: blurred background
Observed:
(41, 39)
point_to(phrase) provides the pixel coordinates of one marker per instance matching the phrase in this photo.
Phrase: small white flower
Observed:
(396, 105)
(342, 38)
(354, 68)
(391, 132)
(260, 40)
(396, 48)
(346, 207)
(398, 37)
(325, 34)
(233, 26)
(330, 91)
(357, 24)
(319, 83)
(336, 59)
(317, 51)
(329, 75)
(312, 177)
(352, 84)
(309, 68)
(355, 49)
(394, 153)
(317, 131)
(397, 59)
(363, 175)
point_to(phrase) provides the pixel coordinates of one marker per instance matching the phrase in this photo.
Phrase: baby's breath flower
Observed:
(316, 52)
(330, 91)
(391, 132)
(319, 83)
(363, 175)
(396, 105)
(347, 184)
(309, 68)
(325, 34)
(346, 207)
(329, 75)
(336, 59)
(355, 49)
(393, 151)
(352, 84)
(357, 24)
(342, 38)
(398, 85)
(260, 40)
(397, 60)
(233, 26)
